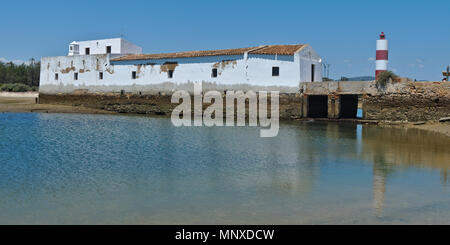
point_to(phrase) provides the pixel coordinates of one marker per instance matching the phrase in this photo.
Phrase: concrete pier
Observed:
(334, 104)
(398, 101)
(333, 100)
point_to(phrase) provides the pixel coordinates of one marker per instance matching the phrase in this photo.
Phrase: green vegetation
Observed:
(19, 78)
(383, 79)
(16, 87)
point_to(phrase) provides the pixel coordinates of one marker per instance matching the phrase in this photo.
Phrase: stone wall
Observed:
(409, 101)
(154, 104)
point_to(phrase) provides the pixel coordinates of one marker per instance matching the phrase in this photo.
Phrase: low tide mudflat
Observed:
(26, 102)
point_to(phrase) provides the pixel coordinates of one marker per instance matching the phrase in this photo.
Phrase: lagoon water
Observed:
(109, 169)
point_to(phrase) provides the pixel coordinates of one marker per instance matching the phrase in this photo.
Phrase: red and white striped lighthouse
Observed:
(382, 55)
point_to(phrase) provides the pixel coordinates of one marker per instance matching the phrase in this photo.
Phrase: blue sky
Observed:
(342, 32)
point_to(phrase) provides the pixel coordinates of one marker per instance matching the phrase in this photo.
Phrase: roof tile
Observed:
(278, 49)
(265, 49)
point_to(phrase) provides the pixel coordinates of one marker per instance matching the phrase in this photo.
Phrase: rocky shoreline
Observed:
(434, 126)
(409, 101)
(157, 104)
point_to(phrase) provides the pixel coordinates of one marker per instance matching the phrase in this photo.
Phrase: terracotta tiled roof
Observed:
(265, 49)
(278, 49)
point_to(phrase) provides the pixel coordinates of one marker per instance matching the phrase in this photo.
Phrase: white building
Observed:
(104, 46)
(123, 67)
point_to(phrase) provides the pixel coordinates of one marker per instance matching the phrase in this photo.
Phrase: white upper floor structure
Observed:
(104, 46)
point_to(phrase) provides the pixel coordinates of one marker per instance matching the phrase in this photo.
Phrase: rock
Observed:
(419, 123)
(444, 119)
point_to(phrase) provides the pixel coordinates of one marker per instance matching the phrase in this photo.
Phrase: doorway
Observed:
(318, 106)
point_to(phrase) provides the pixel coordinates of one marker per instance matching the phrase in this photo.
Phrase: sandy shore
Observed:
(439, 127)
(433, 126)
(19, 94)
(26, 102)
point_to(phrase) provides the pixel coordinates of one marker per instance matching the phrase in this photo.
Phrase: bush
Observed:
(15, 87)
(383, 79)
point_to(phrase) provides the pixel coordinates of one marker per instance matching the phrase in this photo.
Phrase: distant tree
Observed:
(325, 79)
(344, 78)
(27, 74)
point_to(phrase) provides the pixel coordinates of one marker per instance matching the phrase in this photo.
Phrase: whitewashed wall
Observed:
(306, 57)
(255, 73)
(118, 46)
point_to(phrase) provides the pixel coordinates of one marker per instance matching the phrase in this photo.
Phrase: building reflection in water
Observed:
(380, 173)
(379, 188)
(393, 149)
(389, 150)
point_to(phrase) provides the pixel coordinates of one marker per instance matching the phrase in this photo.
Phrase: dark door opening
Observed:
(349, 106)
(313, 68)
(318, 106)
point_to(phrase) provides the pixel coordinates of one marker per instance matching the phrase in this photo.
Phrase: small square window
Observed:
(170, 74)
(56, 76)
(100, 75)
(214, 72)
(133, 75)
(108, 49)
(75, 76)
(87, 51)
(275, 71)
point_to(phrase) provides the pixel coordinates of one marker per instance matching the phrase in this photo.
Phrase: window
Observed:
(275, 71)
(108, 49)
(313, 68)
(75, 76)
(170, 68)
(214, 72)
(133, 75)
(56, 76)
(100, 75)
(87, 51)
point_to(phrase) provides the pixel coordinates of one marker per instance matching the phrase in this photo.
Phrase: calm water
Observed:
(101, 169)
